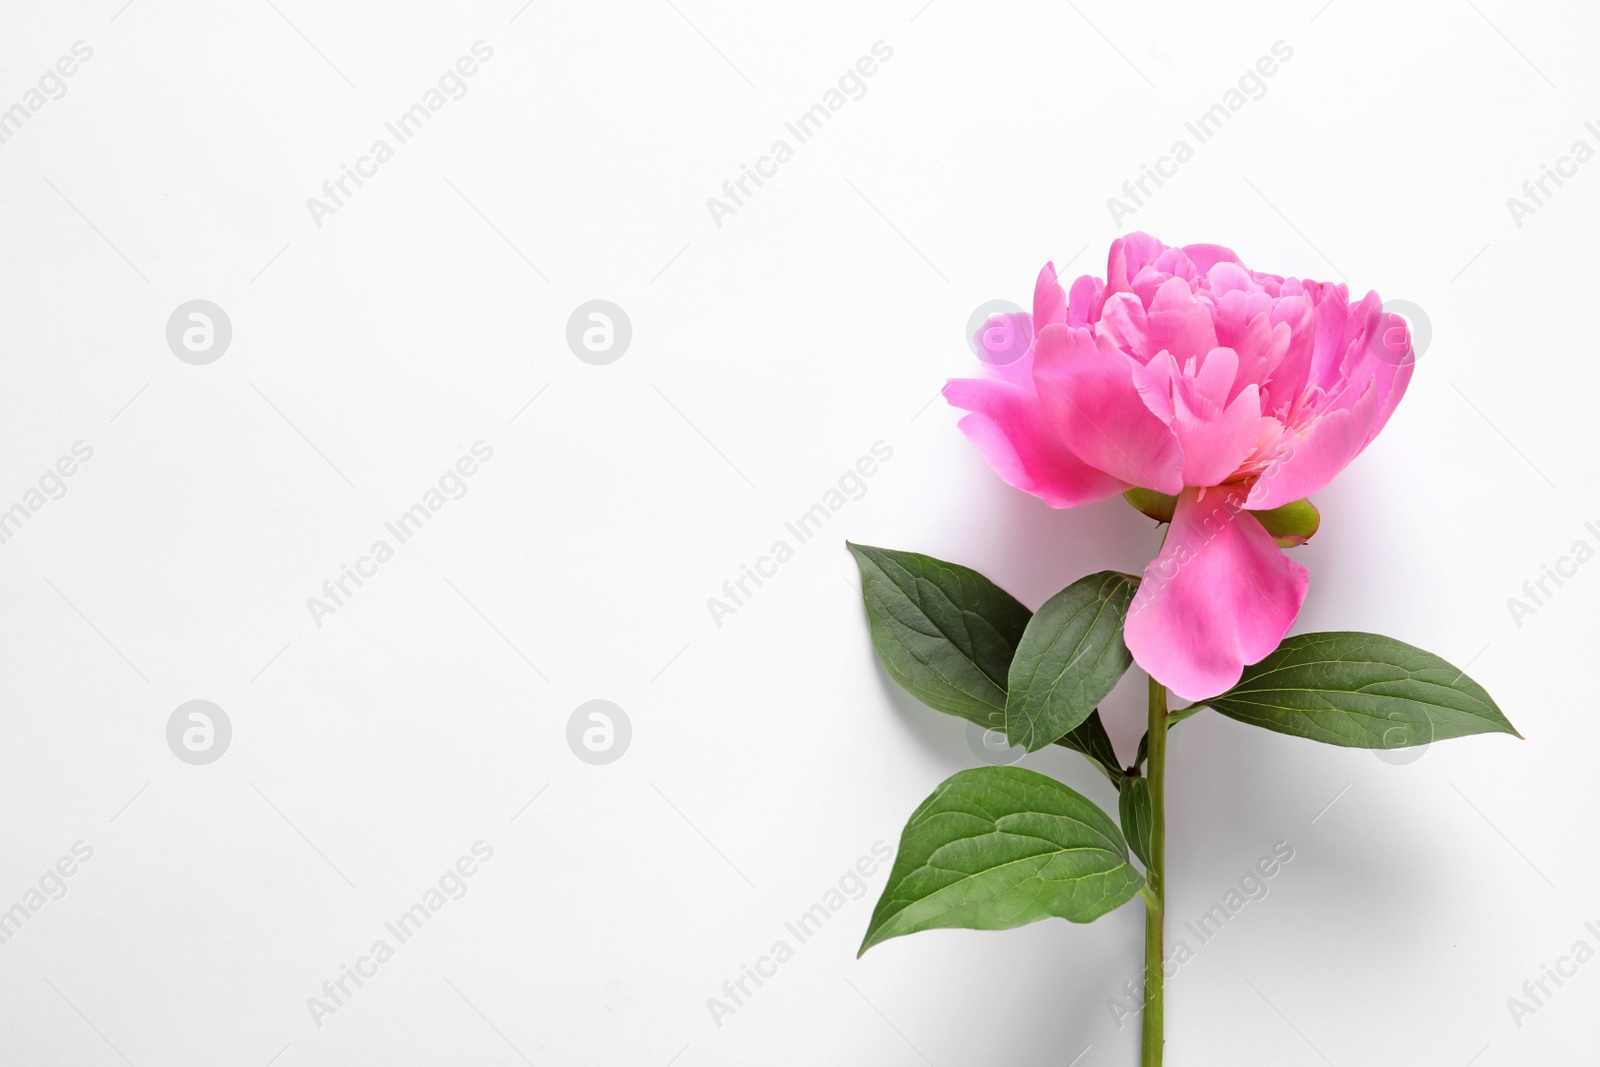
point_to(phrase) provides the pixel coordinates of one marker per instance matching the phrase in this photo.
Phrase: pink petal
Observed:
(1219, 596)
(1331, 344)
(1178, 322)
(1154, 381)
(1204, 257)
(1149, 281)
(1175, 264)
(1363, 385)
(1213, 379)
(1049, 302)
(1123, 320)
(1311, 461)
(1087, 392)
(1083, 306)
(1008, 427)
(1393, 373)
(1215, 439)
(1288, 381)
(1224, 278)
(1243, 323)
(1006, 341)
(1128, 257)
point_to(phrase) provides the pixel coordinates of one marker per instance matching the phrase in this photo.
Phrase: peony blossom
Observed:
(1221, 393)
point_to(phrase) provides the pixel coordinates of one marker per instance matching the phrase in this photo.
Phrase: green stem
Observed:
(1155, 898)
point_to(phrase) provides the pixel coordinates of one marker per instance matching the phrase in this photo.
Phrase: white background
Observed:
(768, 354)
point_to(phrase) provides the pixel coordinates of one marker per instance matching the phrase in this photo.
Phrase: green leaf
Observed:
(944, 632)
(1361, 691)
(998, 847)
(1090, 738)
(1070, 657)
(1133, 805)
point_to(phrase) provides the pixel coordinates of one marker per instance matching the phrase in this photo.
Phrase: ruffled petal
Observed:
(1009, 428)
(1084, 303)
(1006, 341)
(1175, 321)
(1216, 439)
(1086, 390)
(1393, 373)
(1204, 257)
(1128, 257)
(1359, 380)
(1178, 322)
(1243, 324)
(1310, 461)
(1049, 300)
(1287, 381)
(1219, 596)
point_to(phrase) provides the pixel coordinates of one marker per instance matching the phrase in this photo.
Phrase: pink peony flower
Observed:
(1190, 376)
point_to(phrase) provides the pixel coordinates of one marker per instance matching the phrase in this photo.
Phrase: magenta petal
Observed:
(1049, 299)
(1363, 387)
(1122, 319)
(1178, 322)
(1308, 464)
(1213, 379)
(1006, 340)
(1084, 302)
(1393, 360)
(1219, 596)
(1204, 257)
(1128, 257)
(1154, 382)
(1215, 438)
(1330, 344)
(1008, 426)
(1175, 321)
(1086, 390)
(1243, 324)
(1288, 379)
(1224, 278)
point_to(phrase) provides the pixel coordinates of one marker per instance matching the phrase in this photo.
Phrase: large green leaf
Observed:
(1070, 657)
(1133, 806)
(1361, 691)
(944, 632)
(997, 847)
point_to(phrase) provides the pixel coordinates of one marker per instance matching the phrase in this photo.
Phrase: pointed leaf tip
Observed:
(1071, 655)
(1361, 690)
(944, 632)
(995, 848)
